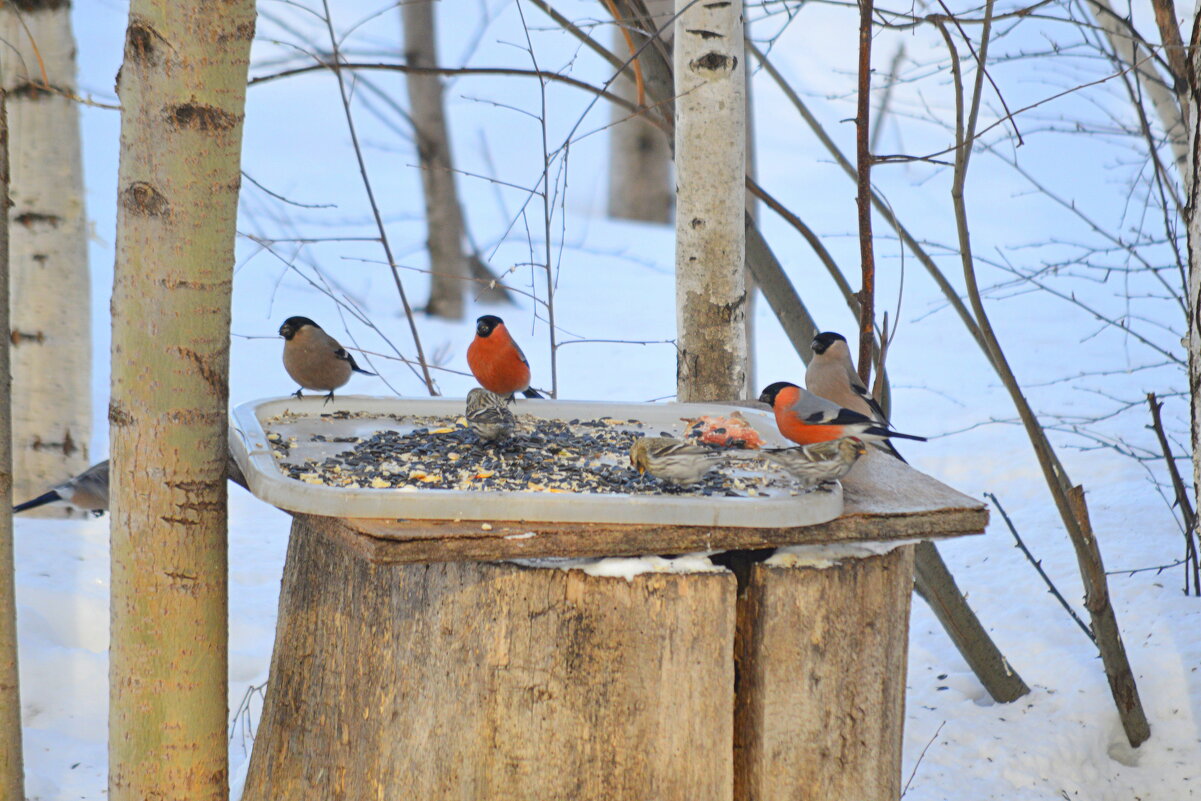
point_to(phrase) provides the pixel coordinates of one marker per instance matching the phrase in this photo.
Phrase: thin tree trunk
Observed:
(182, 89)
(1068, 499)
(443, 214)
(50, 325)
(12, 778)
(752, 212)
(640, 177)
(1192, 219)
(863, 162)
(710, 151)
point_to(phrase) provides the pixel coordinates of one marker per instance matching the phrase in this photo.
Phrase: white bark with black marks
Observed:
(50, 319)
(710, 145)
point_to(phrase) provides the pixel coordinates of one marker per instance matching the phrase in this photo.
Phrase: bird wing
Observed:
(818, 411)
(344, 355)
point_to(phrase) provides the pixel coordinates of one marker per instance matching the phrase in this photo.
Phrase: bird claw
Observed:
(328, 398)
(297, 394)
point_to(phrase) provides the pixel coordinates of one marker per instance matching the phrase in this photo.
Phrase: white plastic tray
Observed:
(248, 443)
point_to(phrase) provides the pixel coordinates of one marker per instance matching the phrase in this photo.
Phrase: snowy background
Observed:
(615, 281)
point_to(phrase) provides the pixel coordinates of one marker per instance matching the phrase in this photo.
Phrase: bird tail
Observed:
(530, 392)
(41, 500)
(885, 432)
(888, 448)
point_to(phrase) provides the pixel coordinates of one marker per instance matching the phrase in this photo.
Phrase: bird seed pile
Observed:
(541, 455)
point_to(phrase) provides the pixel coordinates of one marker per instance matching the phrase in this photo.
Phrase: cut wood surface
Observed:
(469, 680)
(885, 500)
(821, 656)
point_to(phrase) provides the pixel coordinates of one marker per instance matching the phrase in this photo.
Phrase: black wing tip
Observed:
(530, 392)
(903, 436)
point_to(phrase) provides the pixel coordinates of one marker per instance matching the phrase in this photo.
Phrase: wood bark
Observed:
(50, 318)
(1192, 220)
(449, 269)
(485, 680)
(710, 154)
(640, 168)
(182, 87)
(821, 657)
(12, 771)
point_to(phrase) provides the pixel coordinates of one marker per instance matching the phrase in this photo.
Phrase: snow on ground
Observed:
(1064, 740)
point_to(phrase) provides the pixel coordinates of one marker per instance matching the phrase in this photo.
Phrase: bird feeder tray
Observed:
(266, 434)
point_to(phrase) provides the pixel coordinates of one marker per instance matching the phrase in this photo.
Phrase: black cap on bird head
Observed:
(768, 395)
(824, 340)
(484, 325)
(294, 324)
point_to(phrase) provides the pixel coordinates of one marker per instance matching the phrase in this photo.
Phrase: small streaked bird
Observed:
(87, 492)
(488, 414)
(820, 462)
(674, 461)
(314, 359)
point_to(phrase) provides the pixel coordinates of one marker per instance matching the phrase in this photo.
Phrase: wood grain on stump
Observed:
(821, 658)
(472, 680)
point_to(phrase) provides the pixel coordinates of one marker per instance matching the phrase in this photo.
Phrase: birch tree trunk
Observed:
(710, 146)
(50, 319)
(1192, 219)
(640, 186)
(182, 89)
(12, 772)
(443, 214)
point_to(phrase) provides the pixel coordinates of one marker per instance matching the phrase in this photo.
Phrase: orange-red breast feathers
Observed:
(495, 359)
(792, 426)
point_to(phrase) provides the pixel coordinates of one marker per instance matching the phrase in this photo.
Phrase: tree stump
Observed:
(410, 662)
(821, 653)
(489, 680)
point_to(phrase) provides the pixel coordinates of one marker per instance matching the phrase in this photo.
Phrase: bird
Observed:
(674, 461)
(87, 491)
(314, 359)
(819, 462)
(496, 360)
(488, 414)
(831, 375)
(805, 418)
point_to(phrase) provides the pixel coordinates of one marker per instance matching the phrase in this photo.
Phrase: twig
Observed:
(920, 757)
(379, 220)
(1182, 500)
(863, 196)
(546, 211)
(1038, 565)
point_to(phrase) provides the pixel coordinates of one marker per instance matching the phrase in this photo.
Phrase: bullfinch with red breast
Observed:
(314, 359)
(805, 418)
(496, 360)
(87, 492)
